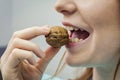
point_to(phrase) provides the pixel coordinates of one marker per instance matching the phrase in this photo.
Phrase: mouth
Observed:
(77, 35)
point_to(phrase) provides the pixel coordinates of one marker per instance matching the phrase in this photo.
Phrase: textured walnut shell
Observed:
(57, 37)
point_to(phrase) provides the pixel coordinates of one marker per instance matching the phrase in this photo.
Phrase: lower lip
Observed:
(75, 44)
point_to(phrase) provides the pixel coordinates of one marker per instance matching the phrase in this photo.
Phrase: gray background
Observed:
(19, 14)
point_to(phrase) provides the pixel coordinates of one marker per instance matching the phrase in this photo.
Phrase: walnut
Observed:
(57, 37)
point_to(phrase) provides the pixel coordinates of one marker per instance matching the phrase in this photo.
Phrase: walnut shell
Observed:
(57, 37)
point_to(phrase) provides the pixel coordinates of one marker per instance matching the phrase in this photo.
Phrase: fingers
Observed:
(25, 45)
(25, 34)
(32, 32)
(20, 48)
(19, 55)
(29, 46)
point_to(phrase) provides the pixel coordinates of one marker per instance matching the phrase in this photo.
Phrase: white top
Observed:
(48, 77)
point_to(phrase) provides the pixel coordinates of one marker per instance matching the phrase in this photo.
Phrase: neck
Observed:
(106, 72)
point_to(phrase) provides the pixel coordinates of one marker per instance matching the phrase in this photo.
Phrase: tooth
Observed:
(76, 29)
(67, 27)
(71, 28)
(76, 40)
(71, 40)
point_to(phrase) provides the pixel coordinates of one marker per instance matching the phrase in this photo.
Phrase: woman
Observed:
(96, 23)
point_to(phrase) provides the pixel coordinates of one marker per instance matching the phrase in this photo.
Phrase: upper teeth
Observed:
(73, 28)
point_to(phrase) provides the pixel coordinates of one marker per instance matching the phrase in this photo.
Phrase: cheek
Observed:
(100, 12)
(104, 18)
(106, 45)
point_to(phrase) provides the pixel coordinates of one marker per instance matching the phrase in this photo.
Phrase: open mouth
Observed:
(77, 34)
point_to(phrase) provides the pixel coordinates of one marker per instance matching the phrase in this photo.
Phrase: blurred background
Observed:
(19, 14)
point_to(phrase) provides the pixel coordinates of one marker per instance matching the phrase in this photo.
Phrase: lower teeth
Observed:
(75, 40)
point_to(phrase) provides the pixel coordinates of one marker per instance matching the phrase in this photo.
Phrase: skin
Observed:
(101, 51)
(18, 63)
(102, 19)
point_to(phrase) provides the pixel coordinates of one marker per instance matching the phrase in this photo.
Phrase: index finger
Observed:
(32, 32)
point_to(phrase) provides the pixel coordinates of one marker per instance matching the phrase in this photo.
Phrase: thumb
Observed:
(49, 54)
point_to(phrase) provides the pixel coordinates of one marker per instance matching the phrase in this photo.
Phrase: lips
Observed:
(77, 35)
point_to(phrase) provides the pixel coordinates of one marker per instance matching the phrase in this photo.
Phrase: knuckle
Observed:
(15, 41)
(15, 51)
(30, 55)
(35, 29)
(15, 34)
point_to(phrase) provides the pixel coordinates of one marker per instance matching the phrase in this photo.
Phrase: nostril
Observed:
(64, 12)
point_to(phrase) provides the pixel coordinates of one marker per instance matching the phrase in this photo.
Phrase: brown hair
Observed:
(117, 67)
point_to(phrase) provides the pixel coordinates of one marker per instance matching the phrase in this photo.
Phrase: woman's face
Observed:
(95, 24)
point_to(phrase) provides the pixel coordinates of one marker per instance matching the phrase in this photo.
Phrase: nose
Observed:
(66, 7)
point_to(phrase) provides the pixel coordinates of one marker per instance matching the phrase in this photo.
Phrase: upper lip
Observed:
(68, 24)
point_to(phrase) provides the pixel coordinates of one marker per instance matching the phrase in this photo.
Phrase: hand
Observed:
(18, 63)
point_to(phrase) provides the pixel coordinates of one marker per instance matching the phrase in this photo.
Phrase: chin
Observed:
(77, 62)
